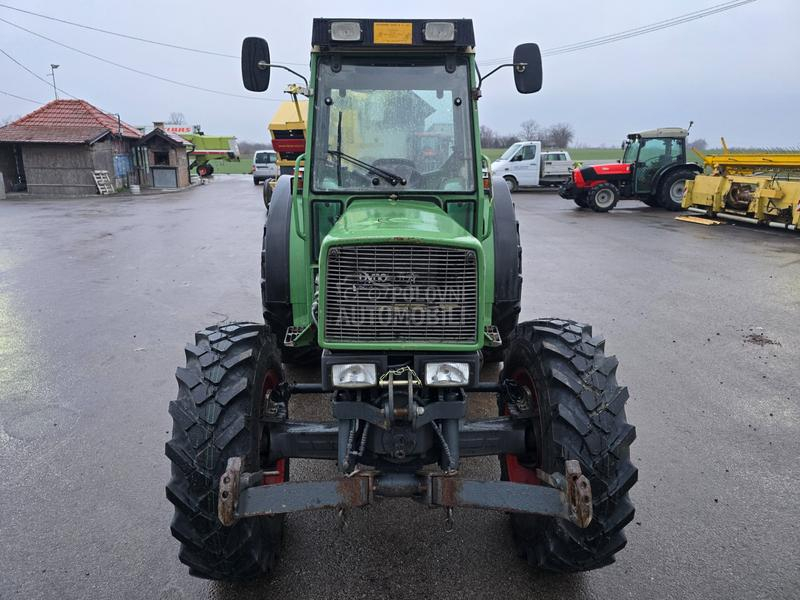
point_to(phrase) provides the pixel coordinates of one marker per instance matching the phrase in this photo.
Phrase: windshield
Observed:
(408, 118)
(263, 158)
(510, 152)
(631, 151)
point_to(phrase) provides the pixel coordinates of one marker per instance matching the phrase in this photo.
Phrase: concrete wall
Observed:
(182, 162)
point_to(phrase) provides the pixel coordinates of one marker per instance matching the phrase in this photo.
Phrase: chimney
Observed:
(158, 125)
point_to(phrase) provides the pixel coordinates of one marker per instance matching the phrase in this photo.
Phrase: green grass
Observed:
(241, 167)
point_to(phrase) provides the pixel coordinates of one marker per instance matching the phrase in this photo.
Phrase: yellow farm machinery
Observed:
(288, 132)
(759, 187)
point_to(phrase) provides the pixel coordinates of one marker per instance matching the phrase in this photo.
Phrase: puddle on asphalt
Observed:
(48, 421)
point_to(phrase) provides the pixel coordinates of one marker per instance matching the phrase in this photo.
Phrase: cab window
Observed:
(528, 152)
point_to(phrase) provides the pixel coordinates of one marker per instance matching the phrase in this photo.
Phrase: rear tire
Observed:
(672, 188)
(578, 412)
(511, 182)
(603, 197)
(216, 416)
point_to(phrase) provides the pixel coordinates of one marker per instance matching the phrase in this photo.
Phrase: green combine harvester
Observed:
(392, 263)
(206, 148)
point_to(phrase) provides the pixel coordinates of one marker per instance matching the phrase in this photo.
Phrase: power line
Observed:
(636, 31)
(649, 28)
(133, 70)
(133, 37)
(20, 97)
(39, 77)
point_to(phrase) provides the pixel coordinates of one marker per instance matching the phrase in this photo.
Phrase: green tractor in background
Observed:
(392, 260)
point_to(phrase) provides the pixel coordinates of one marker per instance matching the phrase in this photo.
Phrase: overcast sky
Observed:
(735, 74)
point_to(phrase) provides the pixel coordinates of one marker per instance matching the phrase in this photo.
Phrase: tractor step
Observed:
(566, 496)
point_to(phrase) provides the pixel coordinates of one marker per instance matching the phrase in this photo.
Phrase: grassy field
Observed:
(241, 167)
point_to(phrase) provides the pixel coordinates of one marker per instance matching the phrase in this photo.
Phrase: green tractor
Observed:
(394, 264)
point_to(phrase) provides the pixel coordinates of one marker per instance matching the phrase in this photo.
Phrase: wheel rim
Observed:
(604, 198)
(510, 183)
(677, 190)
(277, 472)
(517, 472)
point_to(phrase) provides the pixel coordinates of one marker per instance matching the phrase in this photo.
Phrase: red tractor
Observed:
(653, 169)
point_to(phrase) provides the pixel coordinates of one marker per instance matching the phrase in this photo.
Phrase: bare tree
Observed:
(488, 137)
(559, 135)
(699, 143)
(177, 118)
(529, 130)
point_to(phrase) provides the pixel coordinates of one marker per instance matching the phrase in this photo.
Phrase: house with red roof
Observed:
(56, 149)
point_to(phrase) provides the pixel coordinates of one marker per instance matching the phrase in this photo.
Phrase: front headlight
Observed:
(354, 375)
(446, 374)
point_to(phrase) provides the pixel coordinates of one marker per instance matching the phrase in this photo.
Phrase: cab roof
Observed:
(661, 132)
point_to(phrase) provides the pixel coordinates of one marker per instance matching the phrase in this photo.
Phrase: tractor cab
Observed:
(650, 152)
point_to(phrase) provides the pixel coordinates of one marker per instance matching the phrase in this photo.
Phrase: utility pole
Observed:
(53, 75)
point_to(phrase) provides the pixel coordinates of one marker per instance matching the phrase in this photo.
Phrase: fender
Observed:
(675, 167)
(507, 260)
(275, 285)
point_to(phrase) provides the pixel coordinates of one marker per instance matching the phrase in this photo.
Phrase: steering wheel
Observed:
(402, 167)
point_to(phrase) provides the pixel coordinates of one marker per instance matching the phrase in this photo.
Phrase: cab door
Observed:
(526, 165)
(652, 158)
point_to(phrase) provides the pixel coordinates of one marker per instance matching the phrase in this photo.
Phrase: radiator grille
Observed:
(399, 293)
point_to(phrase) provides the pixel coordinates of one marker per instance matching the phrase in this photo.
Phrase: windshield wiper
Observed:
(389, 177)
(339, 151)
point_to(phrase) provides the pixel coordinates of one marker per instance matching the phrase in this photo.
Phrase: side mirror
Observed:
(528, 79)
(255, 64)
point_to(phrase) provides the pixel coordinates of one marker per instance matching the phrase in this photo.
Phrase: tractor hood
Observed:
(398, 221)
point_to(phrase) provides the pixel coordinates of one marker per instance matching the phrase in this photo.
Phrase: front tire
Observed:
(512, 183)
(580, 200)
(578, 412)
(603, 197)
(672, 189)
(216, 416)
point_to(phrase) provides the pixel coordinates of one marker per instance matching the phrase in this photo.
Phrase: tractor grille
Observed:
(398, 293)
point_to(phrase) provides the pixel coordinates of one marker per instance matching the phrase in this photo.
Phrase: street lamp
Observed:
(53, 75)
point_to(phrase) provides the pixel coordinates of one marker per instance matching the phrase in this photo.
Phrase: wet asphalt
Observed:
(99, 295)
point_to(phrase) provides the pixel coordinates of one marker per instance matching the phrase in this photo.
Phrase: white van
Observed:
(525, 165)
(264, 165)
